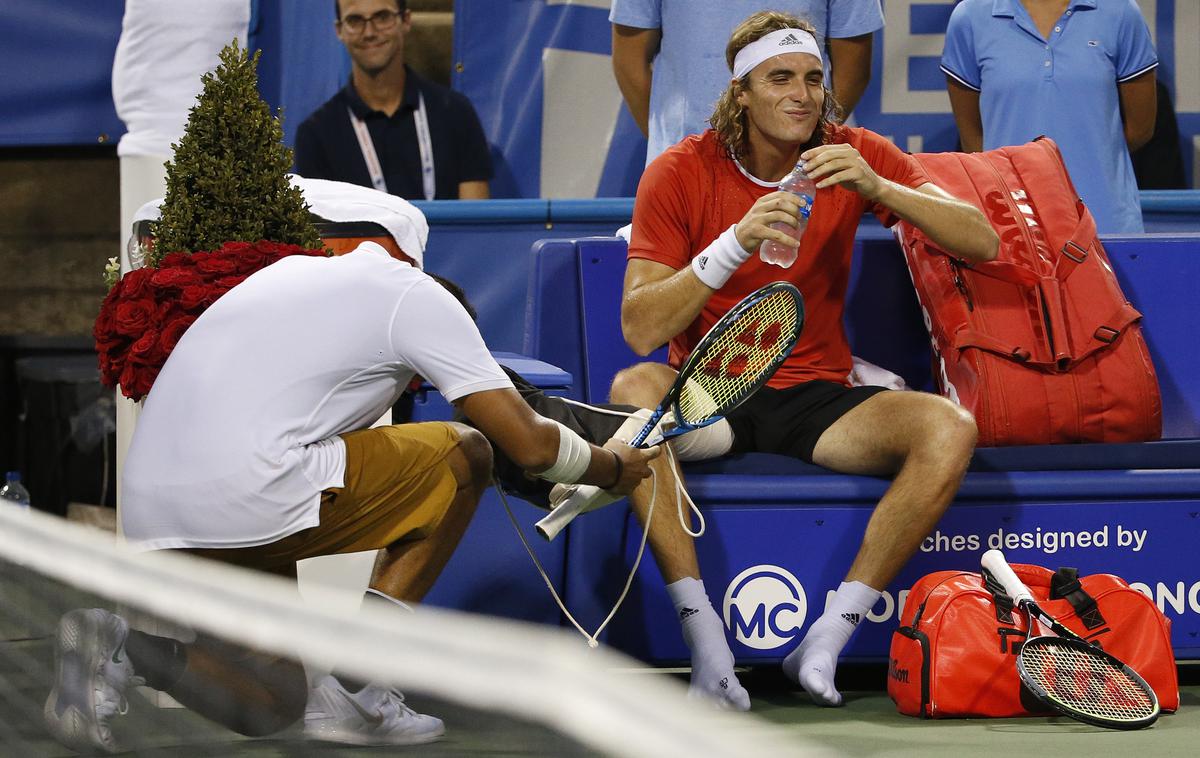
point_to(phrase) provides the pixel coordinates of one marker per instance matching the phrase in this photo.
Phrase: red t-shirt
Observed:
(693, 192)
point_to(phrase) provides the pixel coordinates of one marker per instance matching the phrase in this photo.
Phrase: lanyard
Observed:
(424, 146)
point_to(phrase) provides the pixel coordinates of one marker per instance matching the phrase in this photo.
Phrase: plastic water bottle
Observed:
(13, 491)
(777, 253)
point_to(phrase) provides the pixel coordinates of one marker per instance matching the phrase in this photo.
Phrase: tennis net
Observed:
(501, 686)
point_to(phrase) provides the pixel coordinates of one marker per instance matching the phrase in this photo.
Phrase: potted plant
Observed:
(229, 211)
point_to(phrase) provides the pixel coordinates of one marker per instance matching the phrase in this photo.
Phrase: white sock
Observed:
(813, 664)
(373, 598)
(712, 662)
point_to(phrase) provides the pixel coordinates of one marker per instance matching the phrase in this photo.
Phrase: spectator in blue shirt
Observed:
(1078, 71)
(683, 43)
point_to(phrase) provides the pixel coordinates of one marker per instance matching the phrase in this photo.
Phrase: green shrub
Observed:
(228, 179)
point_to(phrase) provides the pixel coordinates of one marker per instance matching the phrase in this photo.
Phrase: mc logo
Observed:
(765, 607)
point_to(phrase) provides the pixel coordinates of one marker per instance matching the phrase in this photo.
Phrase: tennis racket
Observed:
(732, 360)
(1068, 674)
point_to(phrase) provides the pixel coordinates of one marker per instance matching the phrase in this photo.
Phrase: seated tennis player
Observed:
(703, 208)
(712, 677)
(253, 448)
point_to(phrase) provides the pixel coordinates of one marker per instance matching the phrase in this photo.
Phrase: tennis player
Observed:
(253, 448)
(702, 210)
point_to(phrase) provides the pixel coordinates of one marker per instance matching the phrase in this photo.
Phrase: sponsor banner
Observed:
(539, 74)
(770, 571)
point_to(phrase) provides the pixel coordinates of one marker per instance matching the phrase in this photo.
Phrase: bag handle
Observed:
(1065, 585)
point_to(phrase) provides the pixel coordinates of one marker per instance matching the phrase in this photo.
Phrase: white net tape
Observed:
(531, 672)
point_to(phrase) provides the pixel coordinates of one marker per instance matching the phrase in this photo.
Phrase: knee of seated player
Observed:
(948, 432)
(471, 460)
(642, 385)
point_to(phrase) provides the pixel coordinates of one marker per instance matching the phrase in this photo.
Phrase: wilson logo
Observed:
(1013, 228)
(897, 673)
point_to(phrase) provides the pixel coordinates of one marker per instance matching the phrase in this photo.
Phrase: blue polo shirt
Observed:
(690, 71)
(327, 148)
(1064, 87)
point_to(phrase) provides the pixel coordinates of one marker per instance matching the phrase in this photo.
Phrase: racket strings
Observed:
(1086, 681)
(734, 362)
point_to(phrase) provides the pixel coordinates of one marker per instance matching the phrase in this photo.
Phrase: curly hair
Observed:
(729, 117)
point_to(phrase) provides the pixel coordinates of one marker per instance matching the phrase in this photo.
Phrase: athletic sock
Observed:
(813, 664)
(372, 598)
(713, 677)
(159, 660)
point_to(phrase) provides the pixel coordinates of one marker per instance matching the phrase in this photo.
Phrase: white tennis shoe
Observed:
(371, 716)
(91, 674)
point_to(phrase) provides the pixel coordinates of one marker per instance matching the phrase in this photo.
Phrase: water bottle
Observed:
(13, 491)
(777, 253)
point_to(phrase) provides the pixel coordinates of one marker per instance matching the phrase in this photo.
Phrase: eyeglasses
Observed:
(382, 21)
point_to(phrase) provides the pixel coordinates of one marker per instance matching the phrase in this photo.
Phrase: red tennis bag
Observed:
(1040, 344)
(955, 653)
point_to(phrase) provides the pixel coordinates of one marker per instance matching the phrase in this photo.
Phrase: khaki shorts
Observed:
(398, 487)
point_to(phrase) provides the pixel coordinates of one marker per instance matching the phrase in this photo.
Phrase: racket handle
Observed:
(993, 561)
(580, 499)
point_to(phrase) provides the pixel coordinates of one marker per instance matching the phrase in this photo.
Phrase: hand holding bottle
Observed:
(799, 184)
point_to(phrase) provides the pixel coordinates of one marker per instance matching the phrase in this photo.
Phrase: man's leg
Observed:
(406, 571)
(674, 551)
(927, 441)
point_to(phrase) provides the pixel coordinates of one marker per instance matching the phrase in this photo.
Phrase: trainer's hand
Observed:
(775, 207)
(635, 465)
(828, 165)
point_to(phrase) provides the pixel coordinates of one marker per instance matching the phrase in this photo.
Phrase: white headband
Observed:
(776, 43)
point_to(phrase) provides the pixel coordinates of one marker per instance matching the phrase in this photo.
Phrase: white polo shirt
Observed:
(238, 437)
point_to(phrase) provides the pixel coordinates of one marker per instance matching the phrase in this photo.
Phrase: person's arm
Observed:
(633, 52)
(964, 101)
(533, 442)
(850, 62)
(474, 190)
(659, 302)
(957, 227)
(1139, 107)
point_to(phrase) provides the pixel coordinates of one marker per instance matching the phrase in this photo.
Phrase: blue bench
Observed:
(782, 533)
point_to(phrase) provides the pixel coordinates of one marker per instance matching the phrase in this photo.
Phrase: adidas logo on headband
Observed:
(767, 46)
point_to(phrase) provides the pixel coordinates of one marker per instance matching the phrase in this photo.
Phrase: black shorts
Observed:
(588, 421)
(791, 420)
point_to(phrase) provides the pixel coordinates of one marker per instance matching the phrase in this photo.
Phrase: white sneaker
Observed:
(91, 674)
(371, 716)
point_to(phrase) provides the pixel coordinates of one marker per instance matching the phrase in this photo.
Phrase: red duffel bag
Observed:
(955, 652)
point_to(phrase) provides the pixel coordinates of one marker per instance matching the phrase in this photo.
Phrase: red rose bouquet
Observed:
(148, 310)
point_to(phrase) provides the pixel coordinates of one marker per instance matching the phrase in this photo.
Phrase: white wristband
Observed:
(717, 262)
(574, 457)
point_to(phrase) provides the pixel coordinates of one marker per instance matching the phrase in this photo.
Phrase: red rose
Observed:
(168, 338)
(131, 318)
(203, 255)
(217, 265)
(145, 349)
(227, 283)
(171, 260)
(235, 248)
(197, 296)
(134, 284)
(174, 277)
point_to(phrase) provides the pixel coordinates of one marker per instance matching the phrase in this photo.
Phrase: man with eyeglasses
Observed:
(390, 128)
